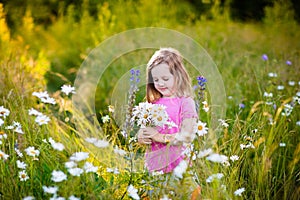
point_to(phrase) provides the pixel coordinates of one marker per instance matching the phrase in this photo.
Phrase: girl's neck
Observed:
(169, 97)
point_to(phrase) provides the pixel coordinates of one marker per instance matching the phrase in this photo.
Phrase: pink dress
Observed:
(162, 157)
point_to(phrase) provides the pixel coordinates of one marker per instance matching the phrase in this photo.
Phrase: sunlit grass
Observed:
(259, 138)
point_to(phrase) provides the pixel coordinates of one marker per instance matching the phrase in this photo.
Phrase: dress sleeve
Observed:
(188, 108)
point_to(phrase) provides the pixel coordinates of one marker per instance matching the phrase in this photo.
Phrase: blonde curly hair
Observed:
(174, 60)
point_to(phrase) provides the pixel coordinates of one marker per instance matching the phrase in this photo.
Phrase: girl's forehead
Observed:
(161, 69)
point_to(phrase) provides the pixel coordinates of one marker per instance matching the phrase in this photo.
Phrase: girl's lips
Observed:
(162, 88)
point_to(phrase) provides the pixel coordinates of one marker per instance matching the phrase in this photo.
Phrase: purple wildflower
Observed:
(288, 62)
(201, 82)
(134, 80)
(132, 72)
(201, 87)
(241, 105)
(264, 57)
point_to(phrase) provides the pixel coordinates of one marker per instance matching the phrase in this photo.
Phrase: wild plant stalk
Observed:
(129, 123)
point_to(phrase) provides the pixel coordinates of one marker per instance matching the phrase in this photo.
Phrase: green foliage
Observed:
(37, 58)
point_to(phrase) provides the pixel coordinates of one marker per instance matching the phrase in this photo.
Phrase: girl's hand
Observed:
(143, 137)
(152, 133)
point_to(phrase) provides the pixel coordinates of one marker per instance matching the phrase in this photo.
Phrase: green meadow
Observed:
(49, 149)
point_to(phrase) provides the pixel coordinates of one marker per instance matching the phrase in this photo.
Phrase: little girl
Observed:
(168, 84)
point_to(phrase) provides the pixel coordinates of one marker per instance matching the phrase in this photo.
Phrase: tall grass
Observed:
(261, 131)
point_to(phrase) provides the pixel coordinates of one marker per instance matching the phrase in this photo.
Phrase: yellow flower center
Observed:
(159, 118)
(200, 127)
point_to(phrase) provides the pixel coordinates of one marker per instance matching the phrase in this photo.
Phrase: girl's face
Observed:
(163, 80)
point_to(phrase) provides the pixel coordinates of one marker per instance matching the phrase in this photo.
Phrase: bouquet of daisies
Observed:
(148, 114)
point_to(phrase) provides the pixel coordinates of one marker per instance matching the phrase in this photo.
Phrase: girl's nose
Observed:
(160, 83)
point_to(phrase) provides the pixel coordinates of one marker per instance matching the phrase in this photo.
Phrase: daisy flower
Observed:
(234, 158)
(101, 143)
(112, 170)
(44, 97)
(282, 144)
(217, 158)
(4, 112)
(3, 155)
(247, 146)
(201, 128)
(223, 123)
(121, 152)
(56, 145)
(19, 153)
(105, 119)
(91, 140)
(180, 169)
(58, 176)
(268, 95)
(28, 198)
(34, 112)
(280, 87)
(205, 106)
(41, 94)
(204, 153)
(50, 190)
(42, 119)
(48, 100)
(296, 99)
(1, 122)
(79, 156)
(239, 192)
(10, 127)
(23, 176)
(73, 198)
(217, 176)
(67, 89)
(75, 171)
(89, 167)
(70, 164)
(132, 192)
(31, 151)
(57, 198)
(21, 164)
(287, 110)
(291, 83)
(18, 129)
(272, 75)
(16, 126)
(111, 109)
(3, 135)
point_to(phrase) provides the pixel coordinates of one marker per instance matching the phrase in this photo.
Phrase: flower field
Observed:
(49, 149)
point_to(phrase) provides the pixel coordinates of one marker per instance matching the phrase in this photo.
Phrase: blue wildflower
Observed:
(201, 82)
(288, 62)
(241, 105)
(264, 57)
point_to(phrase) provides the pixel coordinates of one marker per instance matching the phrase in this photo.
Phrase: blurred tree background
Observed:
(45, 12)
(57, 35)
